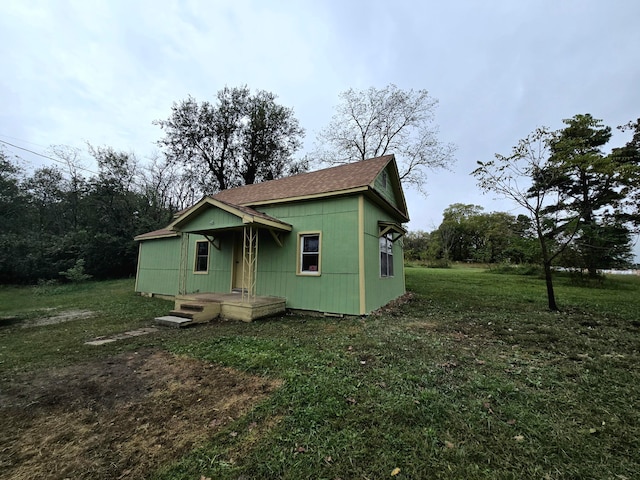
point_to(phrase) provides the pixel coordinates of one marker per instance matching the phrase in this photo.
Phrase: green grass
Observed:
(115, 309)
(472, 379)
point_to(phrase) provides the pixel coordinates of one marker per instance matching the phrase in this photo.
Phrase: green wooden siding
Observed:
(158, 265)
(336, 289)
(218, 277)
(209, 218)
(389, 192)
(380, 290)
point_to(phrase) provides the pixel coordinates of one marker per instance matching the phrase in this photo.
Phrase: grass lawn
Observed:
(472, 378)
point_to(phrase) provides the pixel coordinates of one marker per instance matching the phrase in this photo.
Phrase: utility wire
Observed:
(46, 156)
(135, 181)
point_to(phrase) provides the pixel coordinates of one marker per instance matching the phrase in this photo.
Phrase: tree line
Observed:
(581, 206)
(58, 222)
(469, 234)
(70, 223)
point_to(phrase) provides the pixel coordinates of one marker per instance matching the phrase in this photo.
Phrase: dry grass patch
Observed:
(122, 417)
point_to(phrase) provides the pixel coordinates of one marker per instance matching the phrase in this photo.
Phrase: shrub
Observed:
(76, 273)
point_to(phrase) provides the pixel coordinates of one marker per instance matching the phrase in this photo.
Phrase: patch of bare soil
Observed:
(118, 418)
(62, 317)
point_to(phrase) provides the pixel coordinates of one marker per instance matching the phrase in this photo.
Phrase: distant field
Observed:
(470, 378)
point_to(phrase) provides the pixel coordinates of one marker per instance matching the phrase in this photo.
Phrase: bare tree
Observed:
(525, 178)
(76, 183)
(170, 186)
(373, 122)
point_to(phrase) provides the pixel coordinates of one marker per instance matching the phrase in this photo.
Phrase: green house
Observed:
(325, 241)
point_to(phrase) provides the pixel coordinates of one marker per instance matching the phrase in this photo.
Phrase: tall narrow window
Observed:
(383, 179)
(386, 255)
(202, 257)
(310, 254)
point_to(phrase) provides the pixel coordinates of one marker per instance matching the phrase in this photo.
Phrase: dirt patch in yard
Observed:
(118, 418)
(62, 317)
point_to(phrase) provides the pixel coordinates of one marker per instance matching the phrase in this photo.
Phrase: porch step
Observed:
(173, 321)
(182, 314)
(196, 310)
(191, 307)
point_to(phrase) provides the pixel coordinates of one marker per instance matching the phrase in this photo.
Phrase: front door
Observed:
(238, 264)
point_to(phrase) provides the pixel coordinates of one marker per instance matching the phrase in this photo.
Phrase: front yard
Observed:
(471, 378)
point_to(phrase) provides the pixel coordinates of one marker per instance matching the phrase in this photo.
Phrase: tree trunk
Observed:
(551, 297)
(546, 264)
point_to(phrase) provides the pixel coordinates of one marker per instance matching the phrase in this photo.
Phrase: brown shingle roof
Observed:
(334, 179)
(328, 181)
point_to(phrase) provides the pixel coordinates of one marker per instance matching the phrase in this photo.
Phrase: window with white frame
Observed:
(202, 257)
(386, 255)
(309, 254)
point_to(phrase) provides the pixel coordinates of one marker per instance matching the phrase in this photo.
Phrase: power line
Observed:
(135, 182)
(46, 156)
(22, 140)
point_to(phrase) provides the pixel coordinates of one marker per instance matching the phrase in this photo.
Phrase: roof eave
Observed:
(246, 218)
(383, 202)
(144, 236)
(315, 196)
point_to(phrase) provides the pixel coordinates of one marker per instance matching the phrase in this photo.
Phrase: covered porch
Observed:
(216, 222)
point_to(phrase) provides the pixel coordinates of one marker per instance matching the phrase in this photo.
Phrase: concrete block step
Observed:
(173, 321)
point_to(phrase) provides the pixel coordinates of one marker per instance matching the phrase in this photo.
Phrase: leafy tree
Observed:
(241, 139)
(629, 156)
(116, 205)
(55, 223)
(524, 248)
(468, 233)
(377, 122)
(494, 235)
(595, 188)
(45, 189)
(577, 198)
(454, 233)
(76, 273)
(416, 245)
(75, 185)
(12, 198)
(269, 138)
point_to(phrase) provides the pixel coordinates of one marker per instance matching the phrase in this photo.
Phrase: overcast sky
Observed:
(101, 71)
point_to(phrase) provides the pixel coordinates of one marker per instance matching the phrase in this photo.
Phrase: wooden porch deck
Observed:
(204, 307)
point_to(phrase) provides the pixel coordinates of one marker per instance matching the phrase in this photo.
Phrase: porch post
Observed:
(184, 259)
(249, 263)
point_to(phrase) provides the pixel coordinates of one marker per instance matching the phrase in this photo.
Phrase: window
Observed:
(386, 255)
(383, 179)
(309, 254)
(202, 257)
